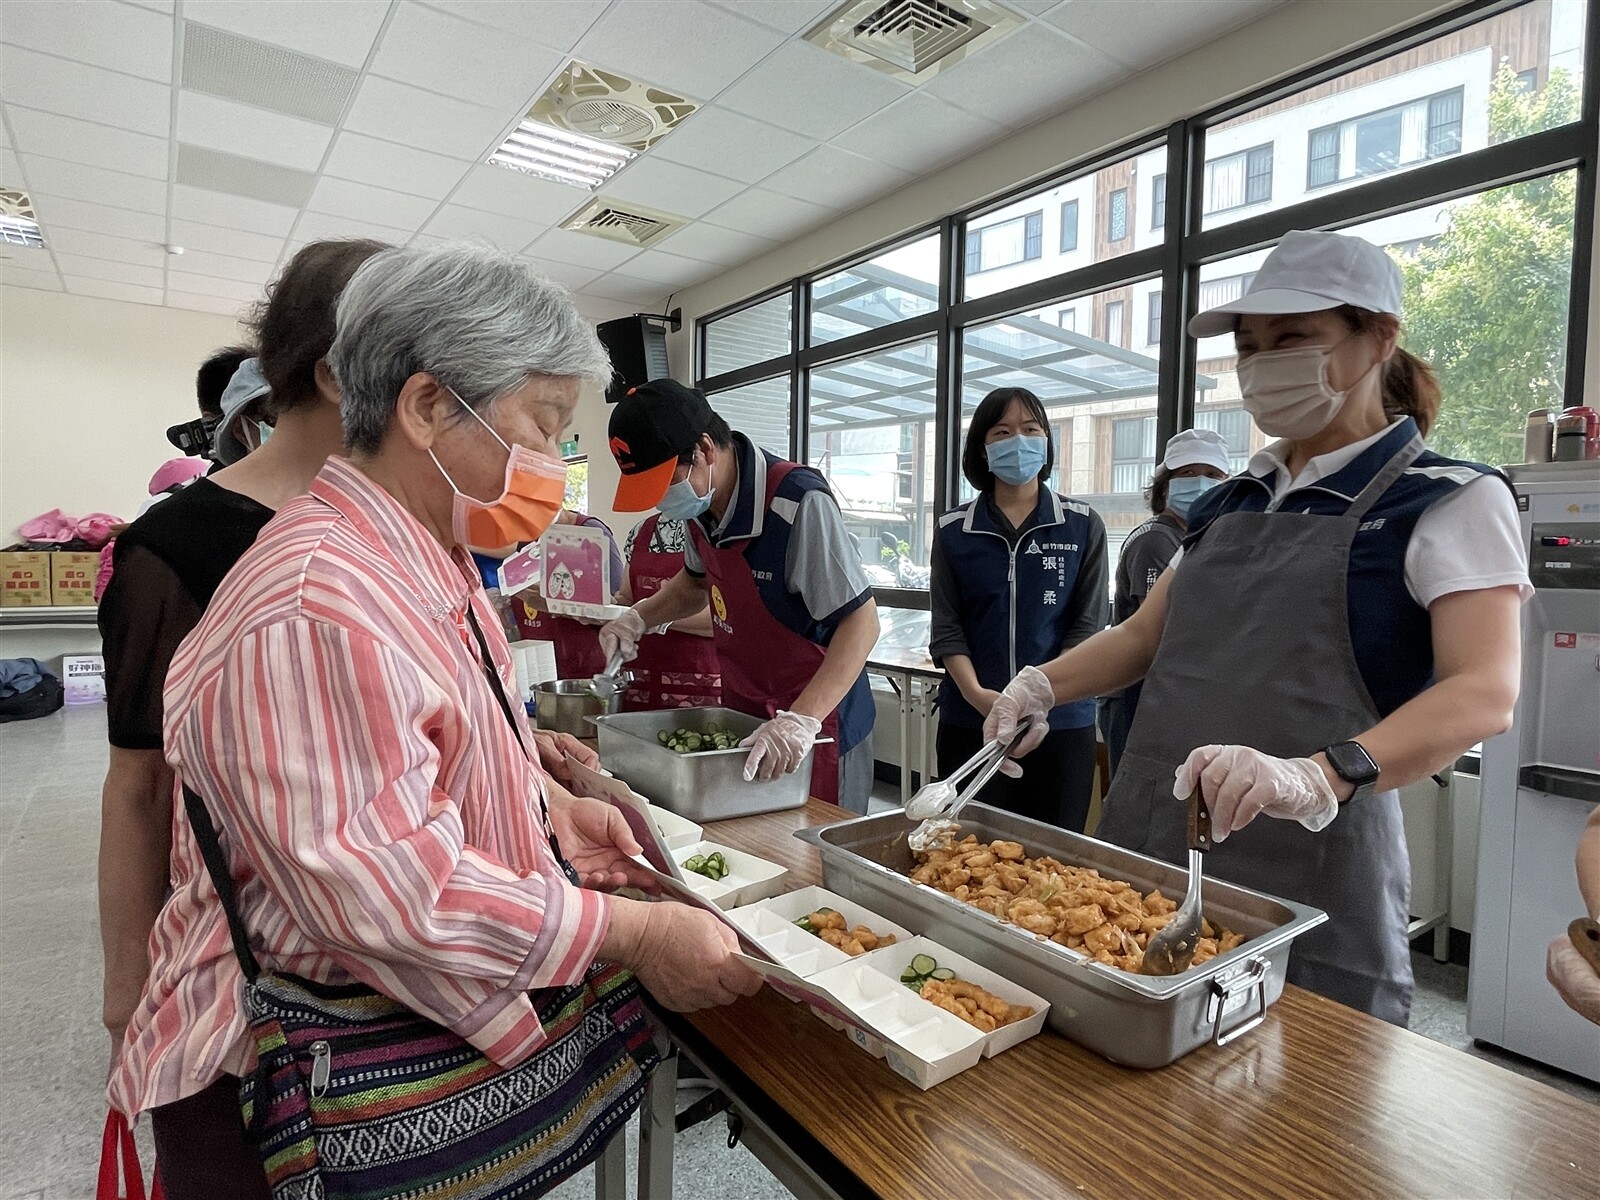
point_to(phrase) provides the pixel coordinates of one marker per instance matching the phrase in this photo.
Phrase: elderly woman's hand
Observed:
(554, 747)
(1572, 976)
(683, 956)
(596, 840)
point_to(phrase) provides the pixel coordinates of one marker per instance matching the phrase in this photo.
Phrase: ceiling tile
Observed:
(59, 212)
(1044, 73)
(219, 124)
(838, 179)
(344, 198)
(74, 89)
(234, 212)
(630, 291)
(564, 273)
(709, 243)
(209, 285)
(108, 290)
(57, 177)
(1164, 28)
(115, 36)
(670, 188)
(316, 226)
(398, 168)
(80, 267)
(1033, 6)
(769, 215)
(918, 134)
(670, 270)
(430, 49)
(341, 33)
(10, 276)
(100, 245)
(509, 233)
(218, 239)
(682, 45)
(786, 16)
(414, 117)
(81, 141)
(516, 194)
(160, 6)
(11, 174)
(555, 23)
(221, 266)
(730, 144)
(199, 303)
(807, 90)
(581, 249)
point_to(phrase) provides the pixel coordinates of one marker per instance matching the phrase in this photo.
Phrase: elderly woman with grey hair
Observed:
(340, 716)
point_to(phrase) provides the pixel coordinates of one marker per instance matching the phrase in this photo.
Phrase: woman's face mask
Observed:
(681, 502)
(1183, 492)
(1017, 460)
(1288, 393)
(526, 507)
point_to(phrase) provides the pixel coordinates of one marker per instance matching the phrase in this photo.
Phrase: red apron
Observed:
(577, 645)
(765, 664)
(673, 670)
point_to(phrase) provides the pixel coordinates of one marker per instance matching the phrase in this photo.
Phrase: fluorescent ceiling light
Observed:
(561, 155)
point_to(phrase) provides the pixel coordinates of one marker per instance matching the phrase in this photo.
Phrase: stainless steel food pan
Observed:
(1136, 1020)
(707, 786)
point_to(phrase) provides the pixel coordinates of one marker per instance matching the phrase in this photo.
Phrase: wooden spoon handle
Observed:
(1199, 822)
(1584, 934)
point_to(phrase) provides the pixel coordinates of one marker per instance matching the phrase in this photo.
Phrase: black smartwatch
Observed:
(1351, 763)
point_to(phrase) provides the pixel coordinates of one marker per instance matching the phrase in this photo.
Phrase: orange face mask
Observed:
(534, 489)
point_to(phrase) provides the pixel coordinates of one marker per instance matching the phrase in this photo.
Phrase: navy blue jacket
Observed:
(1021, 605)
(1389, 631)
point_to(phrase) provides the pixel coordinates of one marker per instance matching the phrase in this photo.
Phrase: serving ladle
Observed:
(1171, 949)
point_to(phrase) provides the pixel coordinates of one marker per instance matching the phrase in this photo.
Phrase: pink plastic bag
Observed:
(53, 526)
(96, 528)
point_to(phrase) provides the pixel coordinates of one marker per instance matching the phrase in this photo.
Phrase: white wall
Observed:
(87, 390)
(1279, 44)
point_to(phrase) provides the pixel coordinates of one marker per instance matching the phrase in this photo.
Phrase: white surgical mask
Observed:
(681, 502)
(1287, 391)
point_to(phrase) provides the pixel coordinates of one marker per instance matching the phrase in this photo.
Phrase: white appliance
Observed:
(1541, 780)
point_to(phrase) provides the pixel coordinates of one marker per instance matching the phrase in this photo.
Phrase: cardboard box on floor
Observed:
(72, 575)
(24, 579)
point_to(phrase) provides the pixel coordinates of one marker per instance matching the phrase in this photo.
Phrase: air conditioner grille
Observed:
(912, 39)
(610, 108)
(266, 76)
(19, 224)
(609, 120)
(634, 225)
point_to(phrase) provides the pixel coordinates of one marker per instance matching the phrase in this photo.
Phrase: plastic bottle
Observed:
(1538, 439)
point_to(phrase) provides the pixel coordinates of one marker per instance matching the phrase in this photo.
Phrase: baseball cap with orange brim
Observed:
(651, 428)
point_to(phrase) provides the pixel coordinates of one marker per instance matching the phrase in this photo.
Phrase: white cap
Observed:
(1311, 271)
(1197, 446)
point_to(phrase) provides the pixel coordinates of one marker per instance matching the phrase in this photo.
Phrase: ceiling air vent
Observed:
(19, 225)
(912, 39)
(612, 108)
(632, 224)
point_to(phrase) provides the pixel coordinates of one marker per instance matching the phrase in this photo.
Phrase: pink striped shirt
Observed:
(380, 820)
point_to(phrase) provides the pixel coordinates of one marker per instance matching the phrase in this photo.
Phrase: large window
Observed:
(871, 436)
(1065, 287)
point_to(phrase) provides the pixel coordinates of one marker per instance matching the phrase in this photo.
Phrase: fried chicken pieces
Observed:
(977, 1007)
(1106, 919)
(832, 928)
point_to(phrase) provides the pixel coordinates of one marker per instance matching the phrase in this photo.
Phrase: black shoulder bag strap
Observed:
(205, 832)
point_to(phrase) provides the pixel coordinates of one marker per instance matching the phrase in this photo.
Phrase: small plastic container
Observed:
(1538, 437)
(1572, 437)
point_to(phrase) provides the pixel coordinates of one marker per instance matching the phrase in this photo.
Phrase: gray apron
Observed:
(1256, 652)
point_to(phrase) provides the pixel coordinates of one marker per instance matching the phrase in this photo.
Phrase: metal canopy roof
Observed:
(896, 385)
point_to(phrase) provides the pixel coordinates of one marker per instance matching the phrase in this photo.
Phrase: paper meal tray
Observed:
(1136, 1020)
(748, 879)
(771, 925)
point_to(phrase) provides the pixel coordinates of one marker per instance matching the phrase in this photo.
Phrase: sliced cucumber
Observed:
(664, 737)
(943, 974)
(923, 965)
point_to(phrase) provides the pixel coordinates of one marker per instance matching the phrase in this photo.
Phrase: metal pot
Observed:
(563, 704)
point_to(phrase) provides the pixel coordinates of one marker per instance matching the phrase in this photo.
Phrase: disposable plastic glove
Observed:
(777, 747)
(622, 634)
(1239, 784)
(1028, 695)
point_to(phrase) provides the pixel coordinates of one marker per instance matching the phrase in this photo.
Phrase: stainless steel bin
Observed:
(1136, 1020)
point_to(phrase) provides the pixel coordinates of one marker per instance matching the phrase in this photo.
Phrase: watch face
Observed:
(1352, 762)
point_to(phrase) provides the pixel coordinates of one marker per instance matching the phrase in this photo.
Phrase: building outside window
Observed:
(1069, 226)
(1158, 202)
(1429, 127)
(1223, 291)
(1239, 179)
(1234, 426)
(1133, 453)
(1067, 318)
(1020, 239)
(1152, 333)
(1114, 322)
(1117, 216)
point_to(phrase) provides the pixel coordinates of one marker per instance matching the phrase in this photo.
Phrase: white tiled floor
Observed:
(53, 1051)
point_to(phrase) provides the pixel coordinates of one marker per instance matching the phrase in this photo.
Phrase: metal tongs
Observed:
(1171, 949)
(938, 803)
(613, 679)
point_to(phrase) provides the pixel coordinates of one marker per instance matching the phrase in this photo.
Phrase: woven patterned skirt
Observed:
(368, 1101)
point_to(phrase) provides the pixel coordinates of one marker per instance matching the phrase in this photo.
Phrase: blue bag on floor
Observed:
(27, 690)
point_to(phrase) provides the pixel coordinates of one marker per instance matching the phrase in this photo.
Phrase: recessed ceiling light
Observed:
(19, 226)
(561, 155)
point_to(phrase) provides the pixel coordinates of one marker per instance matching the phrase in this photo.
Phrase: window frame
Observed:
(1185, 245)
(1398, 112)
(1118, 194)
(1073, 205)
(1249, 156)
(1032, 242)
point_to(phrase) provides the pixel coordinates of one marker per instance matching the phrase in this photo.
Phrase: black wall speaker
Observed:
(638, 349)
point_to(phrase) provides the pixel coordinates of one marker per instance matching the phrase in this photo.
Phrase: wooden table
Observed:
(1319, 1101)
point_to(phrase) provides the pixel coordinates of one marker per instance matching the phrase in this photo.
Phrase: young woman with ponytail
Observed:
(1341, 620)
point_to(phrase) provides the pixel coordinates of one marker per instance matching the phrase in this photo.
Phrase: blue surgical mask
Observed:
(1182, 493)
(1017, 460)
(681, 502)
